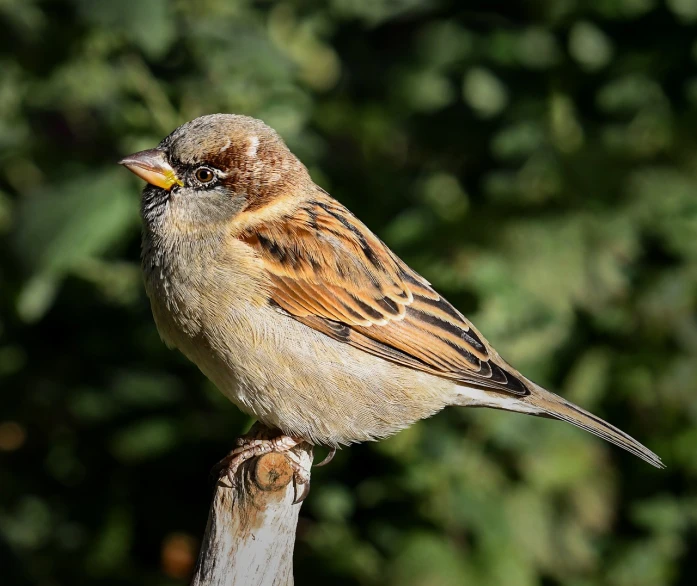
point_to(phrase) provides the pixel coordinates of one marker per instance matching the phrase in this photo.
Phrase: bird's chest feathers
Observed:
(196, 289)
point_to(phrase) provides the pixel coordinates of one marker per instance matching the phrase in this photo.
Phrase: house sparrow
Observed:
(296, 311)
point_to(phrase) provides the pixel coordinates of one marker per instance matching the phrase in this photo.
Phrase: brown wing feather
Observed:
(334, 275)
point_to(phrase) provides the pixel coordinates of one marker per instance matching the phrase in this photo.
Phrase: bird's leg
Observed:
(252, 447)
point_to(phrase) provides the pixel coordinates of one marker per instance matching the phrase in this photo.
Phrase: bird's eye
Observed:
(204, 175)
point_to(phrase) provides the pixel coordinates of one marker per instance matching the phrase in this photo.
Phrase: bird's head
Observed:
(213, 168)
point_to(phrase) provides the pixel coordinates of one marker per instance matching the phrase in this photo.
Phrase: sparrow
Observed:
(297, 312)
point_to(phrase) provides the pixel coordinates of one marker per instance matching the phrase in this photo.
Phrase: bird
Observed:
(297, 312)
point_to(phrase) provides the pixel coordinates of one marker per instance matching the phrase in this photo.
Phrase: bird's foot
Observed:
(252, 447)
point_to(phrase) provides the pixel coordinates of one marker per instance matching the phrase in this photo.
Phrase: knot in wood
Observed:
(272, 472)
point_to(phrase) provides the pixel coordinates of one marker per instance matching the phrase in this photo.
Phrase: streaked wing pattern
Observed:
(331, 273)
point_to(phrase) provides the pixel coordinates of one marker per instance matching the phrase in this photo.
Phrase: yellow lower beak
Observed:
(152, 166)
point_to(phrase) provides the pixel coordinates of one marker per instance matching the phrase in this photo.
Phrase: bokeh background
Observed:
(536, 160)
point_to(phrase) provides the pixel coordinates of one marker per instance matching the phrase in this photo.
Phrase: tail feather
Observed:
(554, 406)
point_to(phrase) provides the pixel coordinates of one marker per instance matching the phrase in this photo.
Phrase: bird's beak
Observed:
(152, 166)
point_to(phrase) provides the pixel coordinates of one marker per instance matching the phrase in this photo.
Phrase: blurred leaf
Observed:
(428, 559)
(145, 439)
(589, 45)
(484, 92)
(29, 525)
(685, 10)
(138, 389)
(60, 228)
(538, 48)
(111, 548)
(149, 23)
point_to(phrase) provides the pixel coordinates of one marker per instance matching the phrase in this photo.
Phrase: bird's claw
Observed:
(328, 458)
(302, 489)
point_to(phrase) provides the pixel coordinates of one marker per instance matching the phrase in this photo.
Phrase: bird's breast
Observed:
(195, 285)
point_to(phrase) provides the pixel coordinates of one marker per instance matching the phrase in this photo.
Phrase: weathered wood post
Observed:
(251, 527)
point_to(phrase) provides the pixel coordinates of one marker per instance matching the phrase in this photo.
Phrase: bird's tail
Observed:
(542, 403)
(551, 405)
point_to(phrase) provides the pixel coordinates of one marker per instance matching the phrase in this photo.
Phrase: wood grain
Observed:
(250, 534)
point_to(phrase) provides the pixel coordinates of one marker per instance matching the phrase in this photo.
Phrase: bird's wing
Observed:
(331, 273)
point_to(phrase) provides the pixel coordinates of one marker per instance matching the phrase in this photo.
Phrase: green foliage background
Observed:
(536, 160)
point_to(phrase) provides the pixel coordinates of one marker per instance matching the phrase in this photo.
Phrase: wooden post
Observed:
(251, 527)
